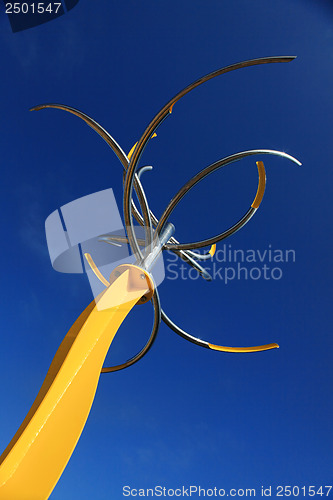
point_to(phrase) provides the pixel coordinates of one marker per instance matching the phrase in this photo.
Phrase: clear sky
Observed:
(184, 415)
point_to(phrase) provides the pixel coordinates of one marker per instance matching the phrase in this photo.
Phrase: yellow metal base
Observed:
(37, 455)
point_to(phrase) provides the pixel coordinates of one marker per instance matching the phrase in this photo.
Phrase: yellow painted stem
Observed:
(37, 455)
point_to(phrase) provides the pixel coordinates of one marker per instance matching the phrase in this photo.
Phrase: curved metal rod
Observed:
(146, 219)
(95, 270)
(157, 321)
(187, 256)
(160, 117)
(142, 170)
(118, 239)
(94, 125)
(214, 347)
(121, 155)
(201, 175)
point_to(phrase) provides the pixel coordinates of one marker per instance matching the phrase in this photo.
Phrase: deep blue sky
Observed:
(183, 415)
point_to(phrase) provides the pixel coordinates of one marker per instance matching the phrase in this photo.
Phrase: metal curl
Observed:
(94, 125)
(195, 340)
(146, 219)
(185, 256)
(189, 257)
(157, 321)
(181, 332)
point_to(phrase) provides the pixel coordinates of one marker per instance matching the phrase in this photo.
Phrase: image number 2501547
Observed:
(25, 15)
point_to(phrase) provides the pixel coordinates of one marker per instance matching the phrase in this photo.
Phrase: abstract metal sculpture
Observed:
(37, 455)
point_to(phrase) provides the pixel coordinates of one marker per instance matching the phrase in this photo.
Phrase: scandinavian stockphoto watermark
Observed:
(230, 264)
